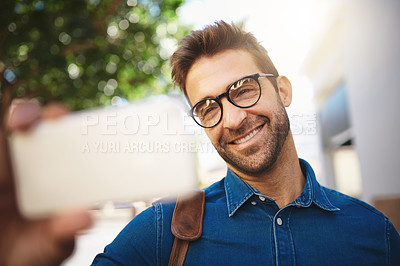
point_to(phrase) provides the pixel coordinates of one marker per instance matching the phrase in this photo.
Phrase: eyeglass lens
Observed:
(243, 93)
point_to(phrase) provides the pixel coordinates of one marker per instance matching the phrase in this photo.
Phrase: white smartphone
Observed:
(140, 151)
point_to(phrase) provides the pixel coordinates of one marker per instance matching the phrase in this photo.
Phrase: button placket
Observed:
(282, 237)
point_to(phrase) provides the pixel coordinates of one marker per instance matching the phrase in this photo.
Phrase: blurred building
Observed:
(355, 72)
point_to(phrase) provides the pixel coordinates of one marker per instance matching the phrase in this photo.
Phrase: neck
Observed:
(284, 182)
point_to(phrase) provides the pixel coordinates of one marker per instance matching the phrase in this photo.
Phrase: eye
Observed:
(244, 91)
(210, 112)
(207, 109)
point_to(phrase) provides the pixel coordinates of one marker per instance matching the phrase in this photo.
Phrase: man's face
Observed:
(248, 139)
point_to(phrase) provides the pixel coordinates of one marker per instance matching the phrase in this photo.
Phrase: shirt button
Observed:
(261, 198)
(279, 221)
(253, 202)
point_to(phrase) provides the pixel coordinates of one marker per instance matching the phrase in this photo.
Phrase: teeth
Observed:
(246, 138)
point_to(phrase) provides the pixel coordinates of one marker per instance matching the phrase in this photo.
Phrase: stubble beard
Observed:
(261, 158)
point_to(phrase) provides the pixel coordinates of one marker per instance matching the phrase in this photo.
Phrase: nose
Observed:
(233, 116)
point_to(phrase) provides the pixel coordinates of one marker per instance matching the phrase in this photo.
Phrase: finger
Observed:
(62, 231)
(54, 110)
(43, 242)
(22, 114)
(58, 236)
(64, 226)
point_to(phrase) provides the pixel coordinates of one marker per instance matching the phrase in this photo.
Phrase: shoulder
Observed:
(371, 221)
(135, 242)
(361, 217)
(216, 191)
(349, 203)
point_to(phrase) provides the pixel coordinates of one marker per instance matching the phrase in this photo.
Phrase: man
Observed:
(269, 209)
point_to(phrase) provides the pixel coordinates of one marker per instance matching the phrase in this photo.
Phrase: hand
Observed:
(32, 242)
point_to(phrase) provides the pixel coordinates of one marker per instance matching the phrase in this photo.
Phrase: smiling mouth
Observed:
(247, 137)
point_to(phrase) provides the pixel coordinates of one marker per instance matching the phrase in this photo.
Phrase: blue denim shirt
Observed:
(242, 226)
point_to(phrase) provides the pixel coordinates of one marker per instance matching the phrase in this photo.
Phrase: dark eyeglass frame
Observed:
(226, 93)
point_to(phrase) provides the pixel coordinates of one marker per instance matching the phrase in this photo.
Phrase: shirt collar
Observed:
(313, 192)
(238, 191)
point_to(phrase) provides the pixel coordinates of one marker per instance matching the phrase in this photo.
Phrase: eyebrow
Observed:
(238, 83)
(230, 85)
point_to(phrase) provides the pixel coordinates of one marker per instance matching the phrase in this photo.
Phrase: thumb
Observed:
(63, 228)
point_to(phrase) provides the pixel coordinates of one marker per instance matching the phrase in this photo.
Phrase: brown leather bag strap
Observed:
(186, 225)
(178, 253)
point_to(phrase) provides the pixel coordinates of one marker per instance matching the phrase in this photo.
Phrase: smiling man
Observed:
(253, 137)
(269, 209)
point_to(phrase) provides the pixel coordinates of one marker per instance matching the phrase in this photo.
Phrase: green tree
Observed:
(86, 53)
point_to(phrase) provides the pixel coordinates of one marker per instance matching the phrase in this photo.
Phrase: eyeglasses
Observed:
(243, 93)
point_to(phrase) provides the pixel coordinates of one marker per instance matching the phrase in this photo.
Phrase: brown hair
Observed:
(211, 40)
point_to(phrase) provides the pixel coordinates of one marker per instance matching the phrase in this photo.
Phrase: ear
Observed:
(284, 90)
